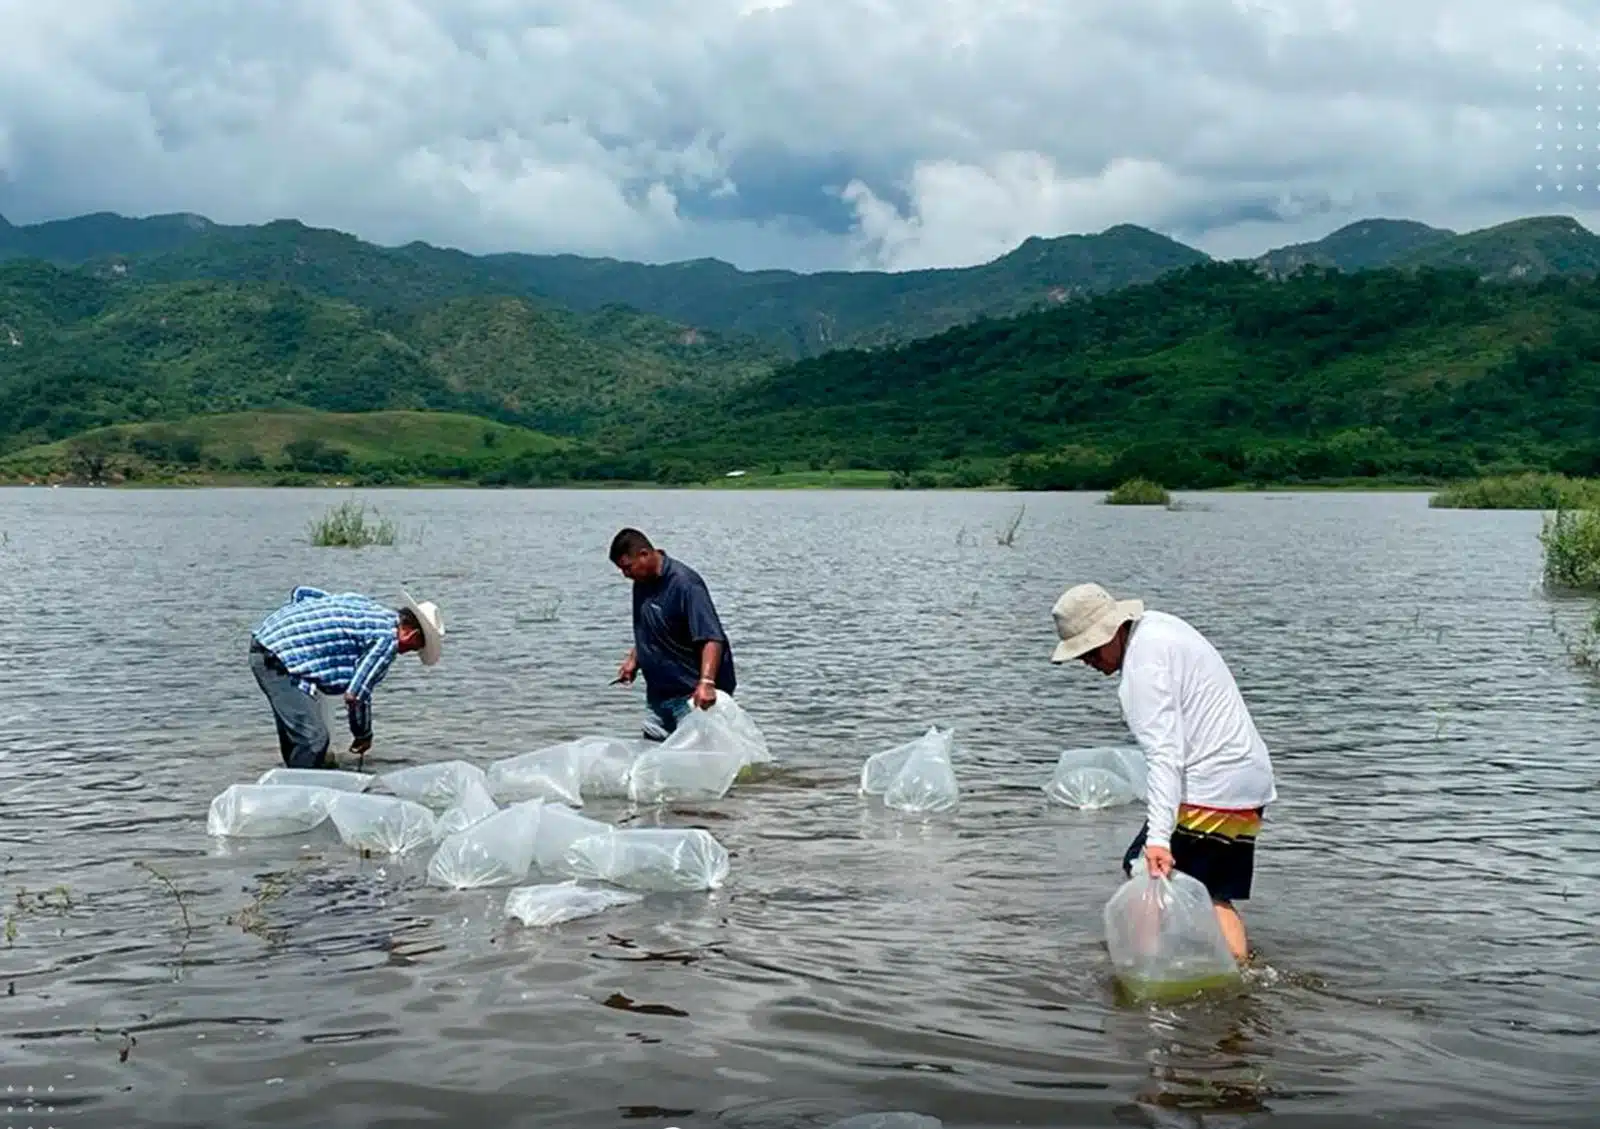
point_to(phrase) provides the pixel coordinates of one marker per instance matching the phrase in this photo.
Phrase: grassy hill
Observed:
(370, 445)
(78, 351)
(1364, 245)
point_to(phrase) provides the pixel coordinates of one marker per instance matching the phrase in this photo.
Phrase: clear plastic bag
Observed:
(1163, 937)
(318, 778)
(497, 851)
(916, 776)
(900, 1119)
(605, 765)
(663, 775)
(474, 806)
(1089, 779)
(263, 811)
(563, 901)
(551, 773)
(436, 786)
(384, 825)
(559, 828)
(651, 858)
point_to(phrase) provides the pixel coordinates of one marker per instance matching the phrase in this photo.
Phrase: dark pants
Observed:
(302, 735)
(662, 720)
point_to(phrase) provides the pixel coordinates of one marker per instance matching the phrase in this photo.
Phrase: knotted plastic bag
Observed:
(560, 827)
(1089, 779)
(551, 773)
(318, 778)
(262, 811)
(385, 825)
(701, 758)
(497, 851)
(436, 786)
(605, 765)
(916, 776)
(474, 805)
(651, 858)
(1163, 937)
(563, 901)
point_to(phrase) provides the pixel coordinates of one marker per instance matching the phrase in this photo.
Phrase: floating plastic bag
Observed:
(900, 1119)
(474, 806)
(1089, 779)
(551, 773)
(605, 765)
(662, 775)
(701, 758)
(1164, 939)
(564, 901)
(724, 728)
(262, 811)
(492, 852)
(916, 776)
(651, 858)
(437, 786)
(385, 825)
(560, 827)
(318, 778)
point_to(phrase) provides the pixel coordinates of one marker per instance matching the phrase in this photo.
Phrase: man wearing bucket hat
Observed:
(1210, 774)
(336, 644)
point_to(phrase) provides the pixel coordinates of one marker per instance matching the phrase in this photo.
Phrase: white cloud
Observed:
(909, 133)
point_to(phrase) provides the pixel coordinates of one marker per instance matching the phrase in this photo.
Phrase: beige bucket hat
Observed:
(1087, 617)
(428, 616)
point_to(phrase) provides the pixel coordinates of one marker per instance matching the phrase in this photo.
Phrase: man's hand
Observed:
(704, 696)
(1159, 860)
(629, 670)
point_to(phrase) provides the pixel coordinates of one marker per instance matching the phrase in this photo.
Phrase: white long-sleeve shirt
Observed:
(1183, 707)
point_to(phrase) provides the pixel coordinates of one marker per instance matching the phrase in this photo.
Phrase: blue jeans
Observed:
(662, 720)
(302, 736)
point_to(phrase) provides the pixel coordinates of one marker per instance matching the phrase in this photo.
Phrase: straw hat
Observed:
(432, 623)
(1087, 617)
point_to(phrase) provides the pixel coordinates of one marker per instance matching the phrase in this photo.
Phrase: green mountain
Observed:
(1363, 245)
(798, 315)
(78, 351)
(1213, 374)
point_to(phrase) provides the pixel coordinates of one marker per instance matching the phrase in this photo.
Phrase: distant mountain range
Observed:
(791, 314)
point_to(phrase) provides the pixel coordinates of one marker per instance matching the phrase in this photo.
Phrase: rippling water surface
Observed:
(1425, 905)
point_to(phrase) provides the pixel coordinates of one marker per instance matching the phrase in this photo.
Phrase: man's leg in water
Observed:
(1232, 930)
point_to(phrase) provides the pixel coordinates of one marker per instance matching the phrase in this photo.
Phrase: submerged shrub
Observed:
(1519, 492)
(1139, 492)
(346, 526)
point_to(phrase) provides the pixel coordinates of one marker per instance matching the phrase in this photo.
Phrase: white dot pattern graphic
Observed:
(1555, 118)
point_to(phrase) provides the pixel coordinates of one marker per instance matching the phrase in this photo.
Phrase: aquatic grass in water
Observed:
(1519, 492)
(1139, 492)
(1571, 540)
(347, 526)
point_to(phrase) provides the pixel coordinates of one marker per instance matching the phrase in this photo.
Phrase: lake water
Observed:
(1426, 900)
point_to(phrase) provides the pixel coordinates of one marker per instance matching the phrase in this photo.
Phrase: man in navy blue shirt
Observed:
(678, 642)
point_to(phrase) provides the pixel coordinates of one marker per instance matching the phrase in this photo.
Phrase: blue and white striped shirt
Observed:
(339, 644)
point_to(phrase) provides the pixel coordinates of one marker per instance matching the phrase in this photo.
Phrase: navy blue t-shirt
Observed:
(672, 616)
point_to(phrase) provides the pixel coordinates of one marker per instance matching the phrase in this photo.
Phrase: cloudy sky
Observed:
(798, 133)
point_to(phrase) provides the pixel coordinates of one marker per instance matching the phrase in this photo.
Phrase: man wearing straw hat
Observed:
(1210, 775)
(341, 644)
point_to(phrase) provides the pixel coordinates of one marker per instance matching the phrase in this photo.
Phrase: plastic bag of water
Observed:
(385, 825)
(1089, 779)
(651, 858)
(436, 786)
(497, 851)
(563, 901)
(1163, 937)
(916, 776)
(261, 811)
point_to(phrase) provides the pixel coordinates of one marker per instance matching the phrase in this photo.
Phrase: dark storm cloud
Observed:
(898, 133)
